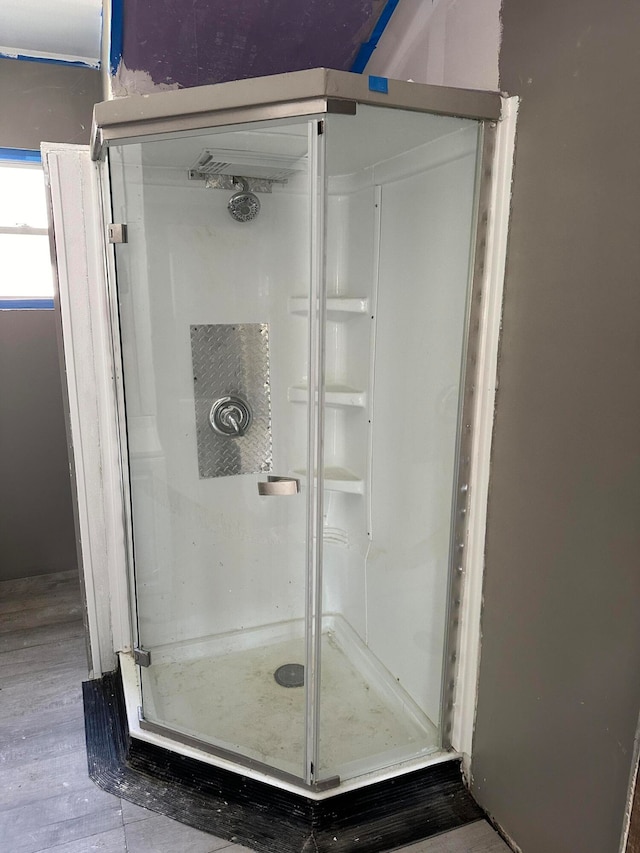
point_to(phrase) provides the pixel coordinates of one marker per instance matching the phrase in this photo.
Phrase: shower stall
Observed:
(294, 307)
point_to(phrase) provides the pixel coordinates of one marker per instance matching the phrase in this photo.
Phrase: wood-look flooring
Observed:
(47, 801)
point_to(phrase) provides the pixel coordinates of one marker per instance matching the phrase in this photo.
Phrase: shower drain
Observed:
(290, 675)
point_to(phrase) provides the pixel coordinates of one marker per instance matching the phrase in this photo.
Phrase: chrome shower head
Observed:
(243, 205)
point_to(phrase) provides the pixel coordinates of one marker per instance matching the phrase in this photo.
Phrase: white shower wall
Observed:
(424, 271)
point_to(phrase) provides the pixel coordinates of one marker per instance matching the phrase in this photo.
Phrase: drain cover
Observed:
(290, 675)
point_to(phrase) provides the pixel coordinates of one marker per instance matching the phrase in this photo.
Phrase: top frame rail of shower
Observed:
(299, 93)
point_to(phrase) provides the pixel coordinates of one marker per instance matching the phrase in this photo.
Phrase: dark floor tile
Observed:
(26, 588)
(104, 842)
(39, 779)
(70, 805)
(43, 635)
(162, 835)
(42, 740)
(132, 813)
(29, 661)
(476, 837)
(63, 598)
(64, 832)
(49, 614)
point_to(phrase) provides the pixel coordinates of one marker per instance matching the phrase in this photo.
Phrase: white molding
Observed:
(116, 474)
(634, 775)
(483, 418)
(81, 301)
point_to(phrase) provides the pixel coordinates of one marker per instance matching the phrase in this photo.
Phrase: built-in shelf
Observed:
(339, 308)
(339, 480)
(334, 395)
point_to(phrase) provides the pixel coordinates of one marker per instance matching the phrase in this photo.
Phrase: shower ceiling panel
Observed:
(250, 164)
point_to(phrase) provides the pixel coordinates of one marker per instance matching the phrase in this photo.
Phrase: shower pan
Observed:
(292, 328)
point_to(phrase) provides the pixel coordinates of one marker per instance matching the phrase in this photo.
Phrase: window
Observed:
(26, 280)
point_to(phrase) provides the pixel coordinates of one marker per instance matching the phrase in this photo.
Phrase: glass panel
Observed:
(214, 314)
(399, 224)
(25, 266)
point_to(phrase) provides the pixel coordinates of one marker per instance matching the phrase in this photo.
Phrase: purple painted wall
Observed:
(193, 43)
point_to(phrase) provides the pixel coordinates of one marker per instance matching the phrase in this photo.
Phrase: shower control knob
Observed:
(230, 416)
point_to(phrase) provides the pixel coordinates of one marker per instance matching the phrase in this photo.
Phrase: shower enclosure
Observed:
(294, 331)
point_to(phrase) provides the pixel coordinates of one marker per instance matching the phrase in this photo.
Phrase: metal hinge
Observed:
(142, 657)
(117, 232)
(320, 128)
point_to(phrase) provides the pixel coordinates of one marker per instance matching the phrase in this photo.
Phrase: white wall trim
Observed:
(117, 499)
(81, 298)
(469, 647)
(631, 791)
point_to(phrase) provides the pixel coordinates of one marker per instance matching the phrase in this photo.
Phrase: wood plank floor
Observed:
(47, 801)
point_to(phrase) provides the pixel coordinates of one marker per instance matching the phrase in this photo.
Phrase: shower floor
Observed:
(229, 697)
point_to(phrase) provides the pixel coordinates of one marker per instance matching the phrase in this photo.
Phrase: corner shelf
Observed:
(339, 480)
(339, 308)
(340, 396)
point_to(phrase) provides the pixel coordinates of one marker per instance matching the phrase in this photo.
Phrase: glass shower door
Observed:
(214, 293)
(400, 223)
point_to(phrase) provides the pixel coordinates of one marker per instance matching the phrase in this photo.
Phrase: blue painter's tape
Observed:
(117, 35)
(364, 54)
(20, 155)
(26, 304)
(51, 61)
(378, 84)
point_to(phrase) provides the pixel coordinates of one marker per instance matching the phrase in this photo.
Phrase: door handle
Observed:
(278, 486)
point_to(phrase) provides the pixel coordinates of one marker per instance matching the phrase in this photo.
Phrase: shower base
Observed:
(232, 805)
(223, 691)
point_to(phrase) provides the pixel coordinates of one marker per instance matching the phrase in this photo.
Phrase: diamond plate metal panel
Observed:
(232, 360)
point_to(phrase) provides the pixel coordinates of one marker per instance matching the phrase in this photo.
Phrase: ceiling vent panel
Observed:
(249, 164)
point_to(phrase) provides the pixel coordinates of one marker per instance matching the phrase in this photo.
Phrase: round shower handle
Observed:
(230, 416)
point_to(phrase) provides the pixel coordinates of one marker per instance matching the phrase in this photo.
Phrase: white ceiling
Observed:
(68, 30)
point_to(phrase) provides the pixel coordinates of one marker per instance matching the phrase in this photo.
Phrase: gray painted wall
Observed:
(52, 103)
(560, 671)
(44, 102)
(36, 522)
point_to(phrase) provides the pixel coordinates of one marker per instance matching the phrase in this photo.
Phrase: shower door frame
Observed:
(314, 492)
(485, 107)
